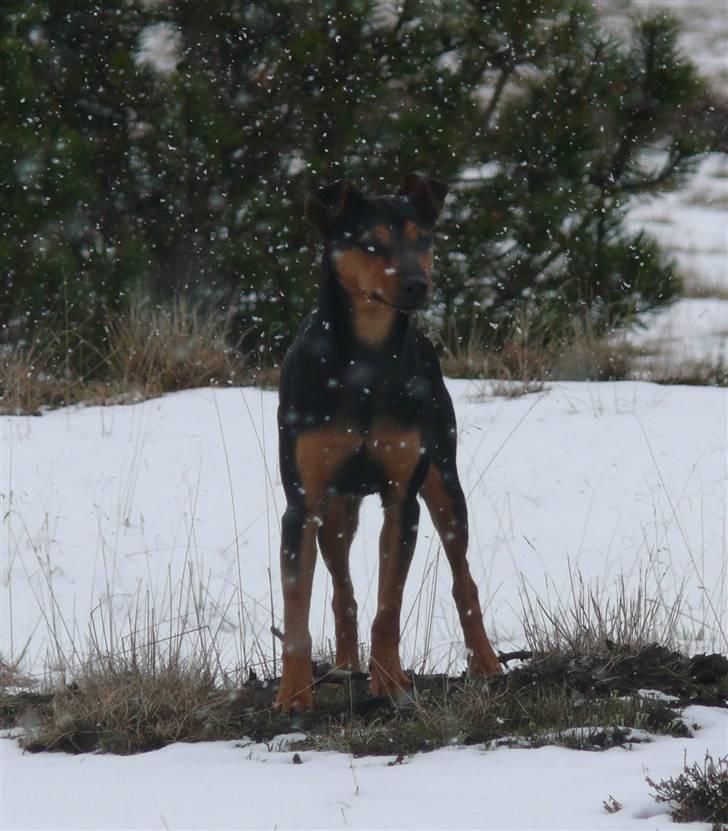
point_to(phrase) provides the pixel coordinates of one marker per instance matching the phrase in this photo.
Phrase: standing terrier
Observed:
(363, 410)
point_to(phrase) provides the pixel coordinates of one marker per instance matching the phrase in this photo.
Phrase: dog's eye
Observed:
(424, 241)
(371, 247)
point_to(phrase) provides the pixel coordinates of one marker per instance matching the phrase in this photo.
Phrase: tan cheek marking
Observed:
(361, 273)
(410, 232)
(364, 276)
(382, 235)
(319, 455)
(398, 452)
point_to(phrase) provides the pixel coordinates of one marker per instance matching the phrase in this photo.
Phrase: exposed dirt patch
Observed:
(584, 701)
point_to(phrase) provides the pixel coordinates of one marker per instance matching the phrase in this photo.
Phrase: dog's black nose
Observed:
(414, 291)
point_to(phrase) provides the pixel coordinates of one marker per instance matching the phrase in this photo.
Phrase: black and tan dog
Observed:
(363, 409)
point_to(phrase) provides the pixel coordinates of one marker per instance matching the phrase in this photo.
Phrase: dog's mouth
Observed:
(401, 307)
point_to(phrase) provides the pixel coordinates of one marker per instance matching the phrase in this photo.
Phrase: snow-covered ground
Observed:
(105, 507)
(225, 785)
(691, 224)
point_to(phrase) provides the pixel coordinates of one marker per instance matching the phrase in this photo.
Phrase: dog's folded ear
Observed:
(426, 195)
(325, 205)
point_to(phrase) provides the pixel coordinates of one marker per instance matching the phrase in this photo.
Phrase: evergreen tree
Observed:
(123, 179)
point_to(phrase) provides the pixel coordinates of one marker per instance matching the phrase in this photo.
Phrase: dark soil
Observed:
(541, 697)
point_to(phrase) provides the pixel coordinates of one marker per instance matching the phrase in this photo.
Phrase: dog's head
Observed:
(381, 247)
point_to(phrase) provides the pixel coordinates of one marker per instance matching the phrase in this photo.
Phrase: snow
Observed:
(691, 223)
(104, 507)
(238, 785)
(692, 329)
(160, 47)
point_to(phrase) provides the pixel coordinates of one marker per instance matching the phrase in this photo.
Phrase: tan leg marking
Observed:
(335, 537)
(398, 452)
(295, 692)
(454, 535)
(411, 232)
(382, 235)
(319, 454)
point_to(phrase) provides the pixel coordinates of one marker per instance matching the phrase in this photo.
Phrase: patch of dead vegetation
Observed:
(146, 351)
(587, 701)
(698, 794)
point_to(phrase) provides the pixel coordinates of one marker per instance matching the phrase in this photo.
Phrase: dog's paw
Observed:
(387, 679)
(481, 665)
(295, 694)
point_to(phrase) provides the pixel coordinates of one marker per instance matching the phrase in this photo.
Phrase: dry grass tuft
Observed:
(586, 357)
(146, 352)
(529, 357)
(266, 376)
(523, 360)
(119, 709)
(701, 373)
(27, 383)
(590, 619)
(157, 350)
(11, 675)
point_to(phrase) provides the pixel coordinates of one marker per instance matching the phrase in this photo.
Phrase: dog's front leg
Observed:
(298, 559)
(396, 547)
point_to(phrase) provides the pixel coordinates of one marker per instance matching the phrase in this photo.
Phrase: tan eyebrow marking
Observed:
(411, 231)
(382, 235)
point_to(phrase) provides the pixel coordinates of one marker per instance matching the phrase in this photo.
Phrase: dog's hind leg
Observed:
(446, 503)
(340, 519)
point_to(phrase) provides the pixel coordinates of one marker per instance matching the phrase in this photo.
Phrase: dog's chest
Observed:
(384, 459)
(361, 393)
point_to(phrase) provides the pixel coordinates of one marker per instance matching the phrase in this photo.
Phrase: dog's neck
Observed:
(337, 310)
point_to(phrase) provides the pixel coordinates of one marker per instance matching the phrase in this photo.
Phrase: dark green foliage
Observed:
(120, 180)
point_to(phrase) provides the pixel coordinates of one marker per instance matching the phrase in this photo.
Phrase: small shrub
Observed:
(612, 805)
(698, 794)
